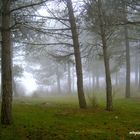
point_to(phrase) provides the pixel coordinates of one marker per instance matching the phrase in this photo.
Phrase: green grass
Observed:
(61, 119)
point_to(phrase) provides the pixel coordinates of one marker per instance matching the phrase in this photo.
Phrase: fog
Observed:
(43, 54)
(93, 82)
(70, 69)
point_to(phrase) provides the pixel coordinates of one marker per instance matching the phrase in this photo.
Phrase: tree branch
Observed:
(47, 17)
(45, 44)
(27, 6)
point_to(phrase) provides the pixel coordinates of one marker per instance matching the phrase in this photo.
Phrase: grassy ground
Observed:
(61, 119)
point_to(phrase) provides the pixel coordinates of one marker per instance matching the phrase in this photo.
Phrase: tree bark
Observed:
(81, 96)
(127, 88)
(6, 108)
(109, 105)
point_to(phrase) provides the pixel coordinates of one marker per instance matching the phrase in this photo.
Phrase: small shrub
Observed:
(92, 100)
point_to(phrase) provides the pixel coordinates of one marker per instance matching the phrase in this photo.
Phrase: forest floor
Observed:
(61, 119)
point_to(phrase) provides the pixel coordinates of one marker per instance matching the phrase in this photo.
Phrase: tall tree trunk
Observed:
(81, 96)
(6, 108)
(69, 78)
(127, 49)
(109, 105)
(127, 88)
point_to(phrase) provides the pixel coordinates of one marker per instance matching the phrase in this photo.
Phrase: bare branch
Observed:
(44, 29)
(27, 6)
(47, 17)
(46, 44)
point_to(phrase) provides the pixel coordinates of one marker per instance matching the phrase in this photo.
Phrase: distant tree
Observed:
(127, 12)
(17, 73)
(127, 50)
(69, 76)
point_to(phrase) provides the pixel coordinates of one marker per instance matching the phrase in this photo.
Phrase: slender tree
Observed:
(99, 19)
(81, 96)
(127, 47)
(109, 106)
(58, 79)
(127, 88)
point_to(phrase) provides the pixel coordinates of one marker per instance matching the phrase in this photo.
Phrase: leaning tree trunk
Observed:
(109, 105)
(6, 108)
(81, 96)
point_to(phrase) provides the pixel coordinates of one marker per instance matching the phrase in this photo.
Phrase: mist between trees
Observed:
(69, 47)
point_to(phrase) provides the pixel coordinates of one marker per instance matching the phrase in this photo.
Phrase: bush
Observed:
(92, 100)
